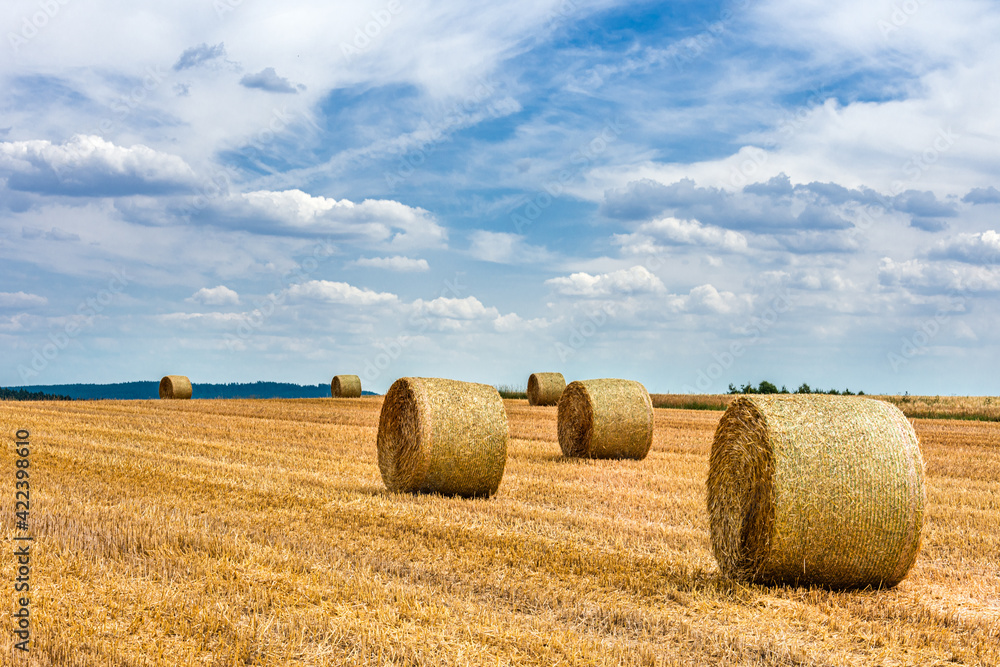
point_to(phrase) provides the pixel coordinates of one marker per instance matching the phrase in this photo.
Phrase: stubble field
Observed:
(258, 532)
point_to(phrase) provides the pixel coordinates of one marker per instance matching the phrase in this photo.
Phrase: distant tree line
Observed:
(149, 390)
(25, 395)
(766, 387)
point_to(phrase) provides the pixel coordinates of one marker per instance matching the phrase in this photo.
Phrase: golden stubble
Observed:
(214, 532)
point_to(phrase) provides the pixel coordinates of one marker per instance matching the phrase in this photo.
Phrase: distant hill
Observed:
(145, 390)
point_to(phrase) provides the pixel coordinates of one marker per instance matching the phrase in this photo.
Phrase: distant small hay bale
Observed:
(605, 419)
(345, 386)
(811, 489)
(442, 436)
(545, 388)
(175, 386)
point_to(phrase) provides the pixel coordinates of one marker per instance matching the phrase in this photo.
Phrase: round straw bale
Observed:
(175, 386)
(345, 386)
(545, 388)
(809, 489)
(443, 436)
(605, 419)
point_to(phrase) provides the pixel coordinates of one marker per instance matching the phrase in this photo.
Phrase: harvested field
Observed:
(692, 401)
(219, 532)
(975, 408)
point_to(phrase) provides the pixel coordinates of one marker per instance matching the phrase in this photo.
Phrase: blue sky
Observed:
(688, 194)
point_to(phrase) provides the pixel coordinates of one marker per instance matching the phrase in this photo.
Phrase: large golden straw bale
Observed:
(605, 419)
(812, 489)
(545, 388)
(443, 436)
(345, 386)
(175, 386)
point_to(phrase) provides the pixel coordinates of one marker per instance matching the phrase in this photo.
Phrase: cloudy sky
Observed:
(684, 193)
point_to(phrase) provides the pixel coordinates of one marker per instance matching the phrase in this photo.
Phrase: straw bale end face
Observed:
(345, 386)
(545, 388)
(175, 386)
(605, 419)
(442, 436)
(813, 489)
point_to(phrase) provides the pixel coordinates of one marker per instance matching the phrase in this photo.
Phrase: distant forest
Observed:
(25, 395)
(146, 390)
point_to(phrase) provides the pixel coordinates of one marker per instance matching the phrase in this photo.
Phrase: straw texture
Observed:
(811, 489)
(345, 386)
(175, 386)
(605, 419)
(545, 388)
(443, 436)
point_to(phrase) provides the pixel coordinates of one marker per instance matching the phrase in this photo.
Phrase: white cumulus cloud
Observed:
(469, 308)
(981, 248)
(708, 299)
(938, 277)
(334, 292)
(680, 232)
(504, 248)
(91, 166)
(397, 263)
(394, 224)
(637, 279)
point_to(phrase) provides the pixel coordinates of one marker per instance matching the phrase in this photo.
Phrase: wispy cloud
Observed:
(197, 55)
(267, 79)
